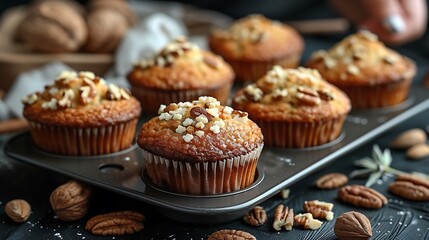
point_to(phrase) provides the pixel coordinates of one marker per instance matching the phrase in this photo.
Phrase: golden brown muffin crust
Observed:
(181, 65)
(292, 95)
(199, 131)
(361, 59)
(81, 100)
(256, 38)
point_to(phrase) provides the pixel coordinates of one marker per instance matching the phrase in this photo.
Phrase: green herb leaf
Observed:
(373, 178)
(360, 173)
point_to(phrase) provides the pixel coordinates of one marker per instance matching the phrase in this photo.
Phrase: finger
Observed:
(386, 14)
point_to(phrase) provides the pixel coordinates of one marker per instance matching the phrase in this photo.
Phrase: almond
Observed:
(409, 138)
(418, 151)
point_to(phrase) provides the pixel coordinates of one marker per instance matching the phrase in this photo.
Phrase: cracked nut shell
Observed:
(353, 225)
(18, 210)
(70, 201)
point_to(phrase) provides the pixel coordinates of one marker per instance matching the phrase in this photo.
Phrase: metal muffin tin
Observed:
(124, 172)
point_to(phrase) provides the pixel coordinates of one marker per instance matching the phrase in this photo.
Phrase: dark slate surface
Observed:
(400, 219)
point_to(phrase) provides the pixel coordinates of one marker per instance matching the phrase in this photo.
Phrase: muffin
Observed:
(254, 44)
(200, 148)
(79, 114)
(180, 72)
(295, 108)
(371, 74)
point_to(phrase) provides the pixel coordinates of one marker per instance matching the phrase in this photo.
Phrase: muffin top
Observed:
(80, 100)
(256, 38)
(361, 59)
(292, 95)
(201, 130)
(181, 65)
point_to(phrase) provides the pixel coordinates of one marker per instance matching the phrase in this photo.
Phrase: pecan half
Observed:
(116, 223)
(353, 225)
(256, 217)
(197, 111)
(362, 196)
(231, 234)
(319, 209)
(332, 180)
(411, 188)
(325, 95)
(283, 217)
(307, 221)
(307, 96)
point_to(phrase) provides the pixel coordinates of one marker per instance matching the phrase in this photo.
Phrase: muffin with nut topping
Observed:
(179, 72)
(254, 44)
(295, 108)
(200, 148)
(371, 74)
(79, 114)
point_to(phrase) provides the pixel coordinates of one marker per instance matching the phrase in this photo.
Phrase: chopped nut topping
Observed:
(390, 59)
(167, 55)
(67, 75)
(52, 104)
(248, 29)
(188, 137)
(180, 129)
(66, 101)
(253, 93)
(199, 133)
(29, 99)
(353, 69)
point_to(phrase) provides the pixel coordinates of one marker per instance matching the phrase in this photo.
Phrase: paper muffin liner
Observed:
(252, 71)
(300, 134)
(83, 141)
(377, 96)
(151, 99)
(202, 178)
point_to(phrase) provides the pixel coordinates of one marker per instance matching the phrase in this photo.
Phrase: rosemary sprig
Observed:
(376, 166)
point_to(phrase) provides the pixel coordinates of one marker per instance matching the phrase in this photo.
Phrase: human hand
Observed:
(395, 22)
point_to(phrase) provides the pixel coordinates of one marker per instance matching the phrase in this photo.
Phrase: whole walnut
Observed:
(53, 26)
(70, 201)
(107, 21)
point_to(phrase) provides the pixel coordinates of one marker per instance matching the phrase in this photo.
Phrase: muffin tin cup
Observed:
(376, 96)
(202, 178)
(151, 99)
(83, 141)
(300, 134)
(247, 71)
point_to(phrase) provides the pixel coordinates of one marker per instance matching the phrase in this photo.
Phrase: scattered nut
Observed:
(18, 210)
(418, 151)
(362, 196)
(284, 193)
(332, 180)
(411, 188)
(283, 217)
(116, 223)
(256, 217)
(319, 209)
(70, 201)
(353, 225)
(231, 234)
(307, 221)
(409, 138)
